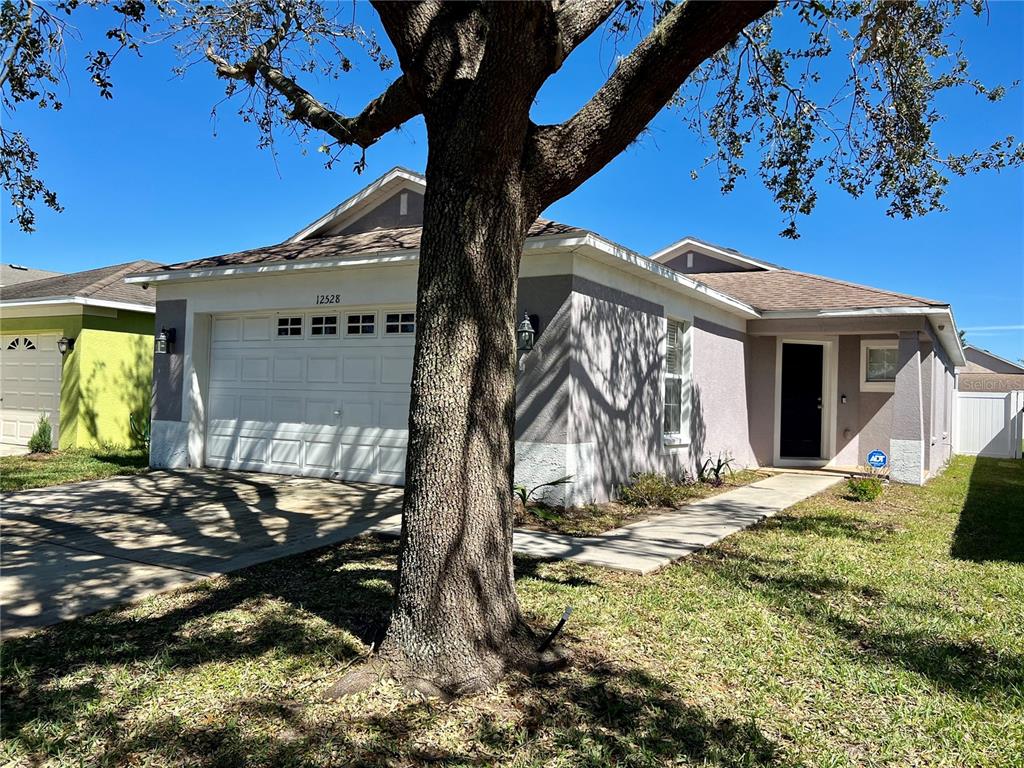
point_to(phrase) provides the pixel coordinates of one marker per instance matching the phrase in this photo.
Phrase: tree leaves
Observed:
(873, 130)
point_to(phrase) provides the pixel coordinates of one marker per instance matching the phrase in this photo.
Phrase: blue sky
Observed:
(151, 175)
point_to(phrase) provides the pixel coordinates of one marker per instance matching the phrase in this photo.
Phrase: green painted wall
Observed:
(107, 376)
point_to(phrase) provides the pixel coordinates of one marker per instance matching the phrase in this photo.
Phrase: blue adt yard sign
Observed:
(877, 459)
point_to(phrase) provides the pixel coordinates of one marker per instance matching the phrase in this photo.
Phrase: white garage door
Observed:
(312, 393)
(30, 368)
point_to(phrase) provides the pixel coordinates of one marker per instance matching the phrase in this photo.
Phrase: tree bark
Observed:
(456, 624)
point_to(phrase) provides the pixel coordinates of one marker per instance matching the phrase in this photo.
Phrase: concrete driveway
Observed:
(75, 549)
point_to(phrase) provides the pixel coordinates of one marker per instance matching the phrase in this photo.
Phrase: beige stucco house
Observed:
(296, 358)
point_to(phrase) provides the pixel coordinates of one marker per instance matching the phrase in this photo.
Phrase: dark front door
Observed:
(800, 416)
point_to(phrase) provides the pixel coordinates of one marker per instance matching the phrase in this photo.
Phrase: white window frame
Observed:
(303, 326)
(682, 437)
(337, 325)
(384, 322)
(361, 313)
(875, 386)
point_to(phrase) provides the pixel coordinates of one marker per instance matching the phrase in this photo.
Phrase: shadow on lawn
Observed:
(95, 689)
(864, 617)
(991, 525)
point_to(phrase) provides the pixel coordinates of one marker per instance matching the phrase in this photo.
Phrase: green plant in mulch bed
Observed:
(652, 489)
(712, 471)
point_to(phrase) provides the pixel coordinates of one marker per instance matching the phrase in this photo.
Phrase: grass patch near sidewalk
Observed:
(39, 470)
(592, 519)
(835, 634)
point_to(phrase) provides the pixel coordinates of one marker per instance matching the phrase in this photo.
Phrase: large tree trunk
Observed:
(456, 623)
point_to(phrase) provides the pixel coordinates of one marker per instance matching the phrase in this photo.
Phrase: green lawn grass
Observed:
(40, 470)
(837, 634)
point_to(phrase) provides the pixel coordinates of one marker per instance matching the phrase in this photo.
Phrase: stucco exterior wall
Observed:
(760, 384)
(114, 378)
(617, 381)
(169, 369)
(721, 418)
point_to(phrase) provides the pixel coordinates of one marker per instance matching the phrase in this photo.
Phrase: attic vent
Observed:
(403, 204)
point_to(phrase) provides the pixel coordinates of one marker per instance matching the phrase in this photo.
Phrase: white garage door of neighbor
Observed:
(30, 368)
(320, 393)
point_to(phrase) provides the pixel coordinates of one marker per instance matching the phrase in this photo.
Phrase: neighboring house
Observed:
(12, 274)
(296, 358)
(88, 391)
(986, 372)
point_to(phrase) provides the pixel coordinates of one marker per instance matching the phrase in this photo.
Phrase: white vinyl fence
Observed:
(989, 424)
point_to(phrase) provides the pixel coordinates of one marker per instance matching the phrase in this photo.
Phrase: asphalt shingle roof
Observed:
(106, 283)
(12, 274)
(336, 246)
(784, 289)
(774, 290)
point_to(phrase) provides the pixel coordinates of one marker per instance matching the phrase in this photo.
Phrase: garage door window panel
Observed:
(289, 326)
(323, 325)
(361, 324)
(400, 323)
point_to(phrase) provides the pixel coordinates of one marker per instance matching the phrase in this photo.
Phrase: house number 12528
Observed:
(328, 298)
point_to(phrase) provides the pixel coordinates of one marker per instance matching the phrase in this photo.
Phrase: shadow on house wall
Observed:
(116, 381)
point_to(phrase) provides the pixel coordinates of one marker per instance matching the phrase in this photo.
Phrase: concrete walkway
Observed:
(75, 549)
(648, 545)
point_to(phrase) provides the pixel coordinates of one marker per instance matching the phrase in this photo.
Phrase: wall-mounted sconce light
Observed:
(65, 345)
(842, 399)
(164, 341)
(525, 334)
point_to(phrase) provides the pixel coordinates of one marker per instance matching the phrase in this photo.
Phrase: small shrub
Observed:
(712, 471)
(42, 439)
(141, 429)
(863, 488)
(526, 496)
(651, 489)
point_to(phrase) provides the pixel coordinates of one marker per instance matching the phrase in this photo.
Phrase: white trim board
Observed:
(83, 301)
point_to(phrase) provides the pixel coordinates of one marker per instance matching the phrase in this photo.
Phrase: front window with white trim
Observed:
(879, 361)
(677, 385)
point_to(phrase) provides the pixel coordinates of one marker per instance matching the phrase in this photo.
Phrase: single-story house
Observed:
(77, 348)
(296, 357)
(987, 372)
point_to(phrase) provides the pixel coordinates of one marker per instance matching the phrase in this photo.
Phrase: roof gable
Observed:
(376, 206)
(692, 255)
